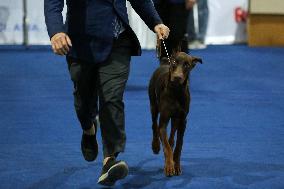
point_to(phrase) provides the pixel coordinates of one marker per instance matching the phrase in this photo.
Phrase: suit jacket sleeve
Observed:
(53, 16)
(146, 10)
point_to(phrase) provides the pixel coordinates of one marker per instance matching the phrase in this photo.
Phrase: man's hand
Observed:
(61, 43)
(162, 31)
(189, 4)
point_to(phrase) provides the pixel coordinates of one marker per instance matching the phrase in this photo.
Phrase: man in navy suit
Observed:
(98, 43)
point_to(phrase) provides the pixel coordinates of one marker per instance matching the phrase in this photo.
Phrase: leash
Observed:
(159, 52)
(166, 51)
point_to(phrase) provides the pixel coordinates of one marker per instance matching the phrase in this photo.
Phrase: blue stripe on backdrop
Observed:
(234, 137)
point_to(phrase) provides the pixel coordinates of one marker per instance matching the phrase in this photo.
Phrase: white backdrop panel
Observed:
(222, 27)
(11, 22)
(37, 28)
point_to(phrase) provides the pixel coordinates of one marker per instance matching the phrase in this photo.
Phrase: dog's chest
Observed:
(173, 103)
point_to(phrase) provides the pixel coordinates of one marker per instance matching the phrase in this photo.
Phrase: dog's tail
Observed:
(164, 61)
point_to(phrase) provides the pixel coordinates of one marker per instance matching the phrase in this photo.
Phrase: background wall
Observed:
(222, 28)
(11, 22)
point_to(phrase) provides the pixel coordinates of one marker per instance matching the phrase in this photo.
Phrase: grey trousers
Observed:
(203, 15)
(104, 83)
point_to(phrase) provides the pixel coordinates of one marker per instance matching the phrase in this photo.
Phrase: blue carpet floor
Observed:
(234, 137)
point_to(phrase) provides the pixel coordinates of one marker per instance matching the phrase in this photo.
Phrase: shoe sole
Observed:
(116, 172)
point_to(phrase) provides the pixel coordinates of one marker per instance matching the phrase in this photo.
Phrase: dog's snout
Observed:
(178, 75)
(177, 78)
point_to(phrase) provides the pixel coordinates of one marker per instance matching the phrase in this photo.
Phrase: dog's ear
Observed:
(196, 59)
(174, 53)
(176, 50)
(164, 61)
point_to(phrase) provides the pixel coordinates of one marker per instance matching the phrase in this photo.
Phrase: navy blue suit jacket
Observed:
(89, 24)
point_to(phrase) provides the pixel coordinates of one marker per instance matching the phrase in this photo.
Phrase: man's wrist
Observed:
(54, 32)
(156, 24)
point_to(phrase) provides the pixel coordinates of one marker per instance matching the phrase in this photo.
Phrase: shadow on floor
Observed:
(242, 173)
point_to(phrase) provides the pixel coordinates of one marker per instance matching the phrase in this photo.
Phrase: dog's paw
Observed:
(177, 170)
(169, 170)
(156, 146)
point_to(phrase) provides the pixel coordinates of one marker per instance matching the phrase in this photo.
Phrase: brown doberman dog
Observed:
(170, 97)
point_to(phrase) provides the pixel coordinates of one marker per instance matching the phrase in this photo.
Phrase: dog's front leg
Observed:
(155, 129)
(168, 153)
(172, 135)
(181, 125)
